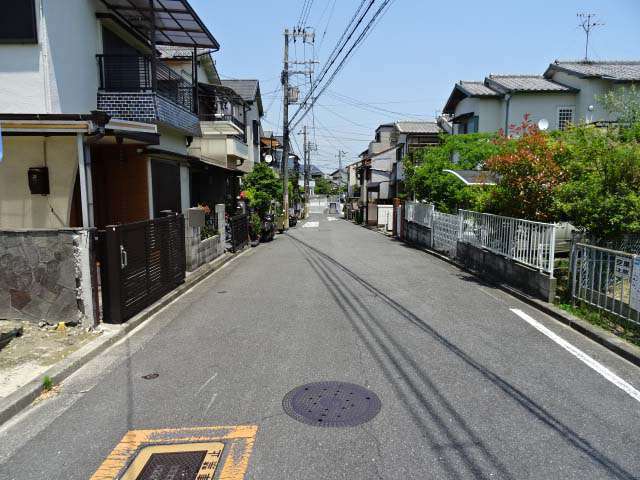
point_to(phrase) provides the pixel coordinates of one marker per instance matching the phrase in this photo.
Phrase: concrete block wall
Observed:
(503, 270)
(47, 275)
(416, 234)
(199, 251)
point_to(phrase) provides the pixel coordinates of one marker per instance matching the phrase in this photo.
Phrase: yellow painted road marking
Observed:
(137, 446)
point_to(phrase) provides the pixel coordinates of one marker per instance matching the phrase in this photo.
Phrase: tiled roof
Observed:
(611, 70)
(477, 89)
(524, 83)
(418, 127)
(247, 89)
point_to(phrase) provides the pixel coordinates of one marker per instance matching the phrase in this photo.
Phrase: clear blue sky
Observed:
(414, 56)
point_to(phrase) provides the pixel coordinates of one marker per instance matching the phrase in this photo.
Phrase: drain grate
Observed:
(331, 404)
(182, 465)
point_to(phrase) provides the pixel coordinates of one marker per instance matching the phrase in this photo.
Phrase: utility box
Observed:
(39, 180)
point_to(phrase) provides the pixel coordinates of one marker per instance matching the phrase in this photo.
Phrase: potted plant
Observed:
(255, 225)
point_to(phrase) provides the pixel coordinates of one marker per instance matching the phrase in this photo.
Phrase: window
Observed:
(256, 132)
(18, 23)
(565, 117)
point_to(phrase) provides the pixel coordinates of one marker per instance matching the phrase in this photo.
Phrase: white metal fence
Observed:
(607, 279)
(445, 233)
(420, 213)
(526, 242)
(385, 216)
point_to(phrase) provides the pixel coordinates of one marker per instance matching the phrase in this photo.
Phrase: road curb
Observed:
(608, 340)
(25, 395)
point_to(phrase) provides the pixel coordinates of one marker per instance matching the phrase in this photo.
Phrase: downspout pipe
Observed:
(506, 114)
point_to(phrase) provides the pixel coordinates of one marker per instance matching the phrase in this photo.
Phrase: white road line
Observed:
(580, 355)
(311, 225)
(206, 383)
(331, 219)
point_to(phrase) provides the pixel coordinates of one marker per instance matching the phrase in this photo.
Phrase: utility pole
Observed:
(287, 100)
(306, 166)
(341, 153)
(587, 24)
(285, 131)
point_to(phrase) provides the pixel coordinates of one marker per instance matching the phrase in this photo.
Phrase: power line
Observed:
(363, 34)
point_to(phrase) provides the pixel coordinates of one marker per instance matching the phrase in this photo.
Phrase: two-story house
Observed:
(380, 172)
(566, 93)
(95, 123)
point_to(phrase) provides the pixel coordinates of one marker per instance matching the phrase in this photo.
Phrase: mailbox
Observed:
(39, 180)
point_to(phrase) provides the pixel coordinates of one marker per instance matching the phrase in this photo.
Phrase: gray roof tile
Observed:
(247, 89)
(418, 127)
(612, 70)
(524, 83)
(477, 89)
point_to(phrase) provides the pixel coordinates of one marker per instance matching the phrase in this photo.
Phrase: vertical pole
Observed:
(154, 60)
(84, 199)
(306, 167)
(552, 251)
(194, 79)
(285, 132)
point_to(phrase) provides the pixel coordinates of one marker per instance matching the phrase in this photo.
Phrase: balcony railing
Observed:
(132, 73)
(219, 117)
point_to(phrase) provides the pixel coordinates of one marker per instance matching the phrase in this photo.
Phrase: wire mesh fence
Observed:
(445, 233)
(607, 279)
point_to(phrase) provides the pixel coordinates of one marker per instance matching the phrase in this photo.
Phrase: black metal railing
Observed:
(132, 73)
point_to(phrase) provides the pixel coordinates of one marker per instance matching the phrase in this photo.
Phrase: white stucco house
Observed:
(566, 93)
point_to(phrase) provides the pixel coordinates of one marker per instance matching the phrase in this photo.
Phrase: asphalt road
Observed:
(469, 389)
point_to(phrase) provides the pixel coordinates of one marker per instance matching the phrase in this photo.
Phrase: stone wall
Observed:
(47, 275)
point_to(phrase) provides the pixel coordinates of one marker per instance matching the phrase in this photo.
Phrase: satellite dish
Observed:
(268, 158)
(543, 124)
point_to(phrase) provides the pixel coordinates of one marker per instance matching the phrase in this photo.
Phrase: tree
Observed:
(602, 192)
(323, 186)
(529, 173)
(425, 176)
(262, 186)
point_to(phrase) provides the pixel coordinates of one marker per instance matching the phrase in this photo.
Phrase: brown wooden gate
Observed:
(140, 262)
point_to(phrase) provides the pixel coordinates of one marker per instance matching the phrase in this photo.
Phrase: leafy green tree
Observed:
(623, 104)
(323, 186)
(262, 186)
(602, 192)
(425, 176)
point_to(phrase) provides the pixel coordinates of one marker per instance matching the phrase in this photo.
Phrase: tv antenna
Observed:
(588, 22)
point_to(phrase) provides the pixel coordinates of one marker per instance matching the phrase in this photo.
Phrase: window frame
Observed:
(33, 39)
(572, 121)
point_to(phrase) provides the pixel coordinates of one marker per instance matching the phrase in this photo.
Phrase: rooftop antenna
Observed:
(587, 22)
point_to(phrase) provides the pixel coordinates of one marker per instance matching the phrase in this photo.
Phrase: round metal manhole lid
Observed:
(331, 404)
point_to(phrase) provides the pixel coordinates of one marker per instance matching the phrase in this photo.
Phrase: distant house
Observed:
(339, 177)
(566, 93)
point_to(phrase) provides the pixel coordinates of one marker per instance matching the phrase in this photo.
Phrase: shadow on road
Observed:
(369, 326)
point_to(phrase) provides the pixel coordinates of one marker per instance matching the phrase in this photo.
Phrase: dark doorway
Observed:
(166, 187)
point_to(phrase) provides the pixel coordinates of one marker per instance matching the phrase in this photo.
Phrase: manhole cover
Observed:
(331, 404)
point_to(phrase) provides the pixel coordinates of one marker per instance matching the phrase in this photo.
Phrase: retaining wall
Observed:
(416, 234)
(47, 275)
(498, 268)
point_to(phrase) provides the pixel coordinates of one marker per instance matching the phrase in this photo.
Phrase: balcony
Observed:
(128, 90)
